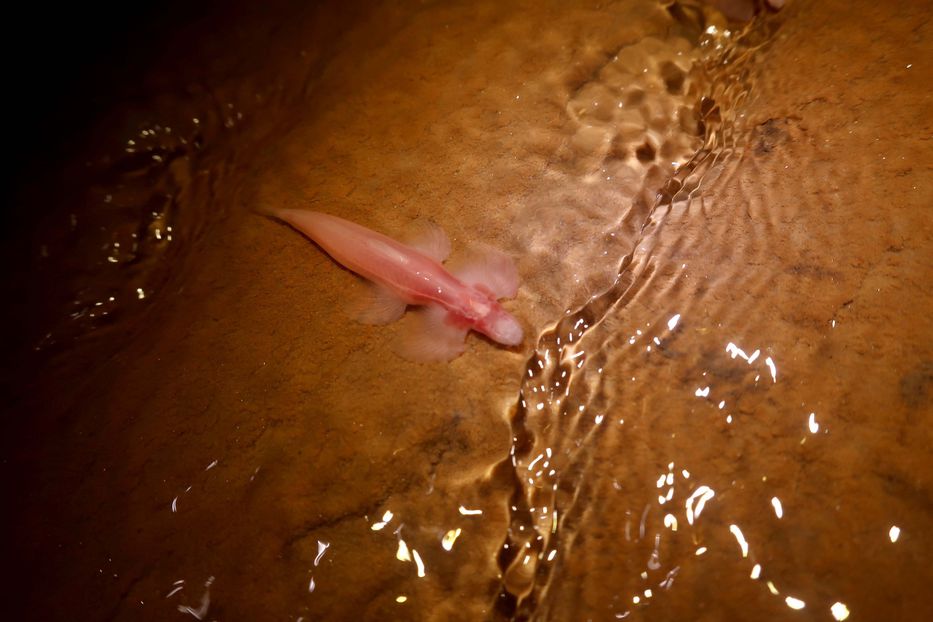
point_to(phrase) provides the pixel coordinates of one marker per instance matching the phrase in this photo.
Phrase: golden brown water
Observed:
(720, 411)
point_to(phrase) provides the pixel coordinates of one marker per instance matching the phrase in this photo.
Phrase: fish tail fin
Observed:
(305, 221)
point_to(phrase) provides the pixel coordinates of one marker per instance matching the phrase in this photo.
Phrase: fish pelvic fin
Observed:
(377, 304)
(491, 270)
(431, 335)
(430, 239)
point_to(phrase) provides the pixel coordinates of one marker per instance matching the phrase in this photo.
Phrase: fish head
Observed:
(501, 326)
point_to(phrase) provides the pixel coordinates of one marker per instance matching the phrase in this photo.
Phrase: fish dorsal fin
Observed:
(377, 305)
(430, 239)
(428, 335)
(491, 270)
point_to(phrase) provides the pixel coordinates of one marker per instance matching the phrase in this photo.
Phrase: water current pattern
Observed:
(670, 109)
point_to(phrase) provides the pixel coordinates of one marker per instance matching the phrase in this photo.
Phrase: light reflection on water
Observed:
(573, 371)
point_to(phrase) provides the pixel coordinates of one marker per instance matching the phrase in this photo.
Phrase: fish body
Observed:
(412, 274)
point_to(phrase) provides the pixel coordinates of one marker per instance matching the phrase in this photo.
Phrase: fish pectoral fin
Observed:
(490, 269)
(430, 239)
(430, 336)
(378, 305)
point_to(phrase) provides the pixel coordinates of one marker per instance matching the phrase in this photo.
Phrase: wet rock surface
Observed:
(726, 292)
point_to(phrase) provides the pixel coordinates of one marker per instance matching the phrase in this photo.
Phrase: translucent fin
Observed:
(431, 240)
(377, 305)
(430, 337)
(491, 270)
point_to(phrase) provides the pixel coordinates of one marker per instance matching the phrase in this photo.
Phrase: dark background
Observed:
(64, 66)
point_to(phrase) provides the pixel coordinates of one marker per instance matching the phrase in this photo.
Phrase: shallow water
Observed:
(721, 407)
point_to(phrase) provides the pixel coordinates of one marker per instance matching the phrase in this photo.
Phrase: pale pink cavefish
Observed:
(412, 274)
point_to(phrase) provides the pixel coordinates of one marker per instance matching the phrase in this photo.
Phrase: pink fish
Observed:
(452, 303)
